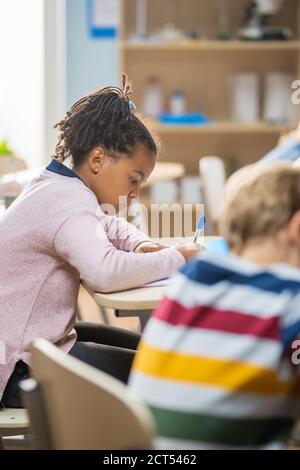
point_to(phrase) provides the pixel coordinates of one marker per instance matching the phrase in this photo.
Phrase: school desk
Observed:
(140, 302)
(165, 171)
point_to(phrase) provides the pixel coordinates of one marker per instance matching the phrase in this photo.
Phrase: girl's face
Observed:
(113, 179)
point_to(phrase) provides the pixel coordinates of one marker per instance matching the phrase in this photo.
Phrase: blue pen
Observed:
(200, 227)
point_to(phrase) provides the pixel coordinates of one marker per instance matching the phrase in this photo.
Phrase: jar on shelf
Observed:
(153, 98)
(178, 103)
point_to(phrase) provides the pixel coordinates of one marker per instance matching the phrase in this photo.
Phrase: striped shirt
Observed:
(215, 363)
(287, 151)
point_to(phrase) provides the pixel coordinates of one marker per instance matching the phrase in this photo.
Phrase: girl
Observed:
(56, 235)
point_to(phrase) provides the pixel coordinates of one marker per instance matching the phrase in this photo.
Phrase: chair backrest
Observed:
(212, 173)
(75, 406)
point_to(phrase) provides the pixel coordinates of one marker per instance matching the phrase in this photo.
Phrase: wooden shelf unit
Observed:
(220, 127)
(202, 69)
(212, 45)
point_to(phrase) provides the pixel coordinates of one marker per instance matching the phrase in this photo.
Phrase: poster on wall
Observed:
(104, 18)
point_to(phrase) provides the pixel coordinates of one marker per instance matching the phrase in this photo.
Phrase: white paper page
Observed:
(159, 283)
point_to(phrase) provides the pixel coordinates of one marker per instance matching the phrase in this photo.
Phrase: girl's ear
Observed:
(96, 159)
(294, 229)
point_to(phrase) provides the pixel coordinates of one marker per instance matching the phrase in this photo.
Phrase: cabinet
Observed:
(201, 68)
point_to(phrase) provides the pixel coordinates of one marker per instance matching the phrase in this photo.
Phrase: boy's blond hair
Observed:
(259, 200)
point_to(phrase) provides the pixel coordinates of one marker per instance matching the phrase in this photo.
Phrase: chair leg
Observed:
(1, 443)
(104, 315)
(21, 442)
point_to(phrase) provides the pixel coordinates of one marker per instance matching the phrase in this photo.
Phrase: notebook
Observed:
(159, 283)
(217, 246)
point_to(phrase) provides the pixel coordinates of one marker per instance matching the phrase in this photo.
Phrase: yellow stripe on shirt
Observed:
(233, 375)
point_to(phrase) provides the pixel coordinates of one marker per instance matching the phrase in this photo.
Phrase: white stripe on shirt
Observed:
(222, 345)
(227, 296)
(192, 398)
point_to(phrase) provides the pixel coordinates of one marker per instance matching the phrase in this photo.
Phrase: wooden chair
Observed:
(72, 405)
(212, 173)
(13, 422)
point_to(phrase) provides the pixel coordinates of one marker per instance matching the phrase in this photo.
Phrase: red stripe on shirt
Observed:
(211, 318)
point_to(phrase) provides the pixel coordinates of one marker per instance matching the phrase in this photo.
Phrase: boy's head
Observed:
(262, 203)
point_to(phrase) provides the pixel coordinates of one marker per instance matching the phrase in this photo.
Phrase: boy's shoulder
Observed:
(210, 269)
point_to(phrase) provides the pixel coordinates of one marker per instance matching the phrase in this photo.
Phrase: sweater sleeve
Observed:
(122, 234)
(82, 241)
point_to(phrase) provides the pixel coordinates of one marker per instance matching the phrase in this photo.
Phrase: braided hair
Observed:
(104, 118)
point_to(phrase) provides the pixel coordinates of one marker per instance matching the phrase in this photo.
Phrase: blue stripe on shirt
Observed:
(204, 272)
(288, 151)
(290, 333)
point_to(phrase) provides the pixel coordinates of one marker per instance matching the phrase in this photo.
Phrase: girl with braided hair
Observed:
(56, 235)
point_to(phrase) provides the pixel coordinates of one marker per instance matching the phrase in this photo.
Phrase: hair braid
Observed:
(102, 118)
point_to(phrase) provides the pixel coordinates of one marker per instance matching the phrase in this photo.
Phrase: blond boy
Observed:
(218, 361)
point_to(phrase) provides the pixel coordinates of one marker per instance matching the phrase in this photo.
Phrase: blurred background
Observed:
(213, 79)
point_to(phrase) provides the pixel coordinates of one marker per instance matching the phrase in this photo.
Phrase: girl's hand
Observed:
(149, 248)
(189, 250)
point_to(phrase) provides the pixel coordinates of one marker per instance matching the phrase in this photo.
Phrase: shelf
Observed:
(210, 46)
(222, 128)
(202, 69)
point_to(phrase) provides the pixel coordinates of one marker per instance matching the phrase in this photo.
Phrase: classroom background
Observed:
(218, 84)
(201, 73)
(215, 81)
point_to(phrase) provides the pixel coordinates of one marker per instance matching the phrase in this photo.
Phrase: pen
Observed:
(200, 227)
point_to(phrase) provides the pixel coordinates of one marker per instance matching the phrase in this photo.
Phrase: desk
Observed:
(139, 302)
(165, 171)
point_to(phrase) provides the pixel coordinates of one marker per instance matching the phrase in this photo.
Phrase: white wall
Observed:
(22, 78)
(92, 62)
(55, 63)
(48, 60)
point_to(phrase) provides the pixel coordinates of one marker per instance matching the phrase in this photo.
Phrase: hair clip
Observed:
(132, 106)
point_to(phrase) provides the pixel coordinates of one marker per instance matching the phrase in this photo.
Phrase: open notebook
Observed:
(159, 283)
(217, 246)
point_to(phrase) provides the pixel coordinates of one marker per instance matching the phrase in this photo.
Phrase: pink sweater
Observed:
(51, 237)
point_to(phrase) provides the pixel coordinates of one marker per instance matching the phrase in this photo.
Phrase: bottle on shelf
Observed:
(177, 103)
(153, 98)
(245, 97)
(224, 32)
(277, 106)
